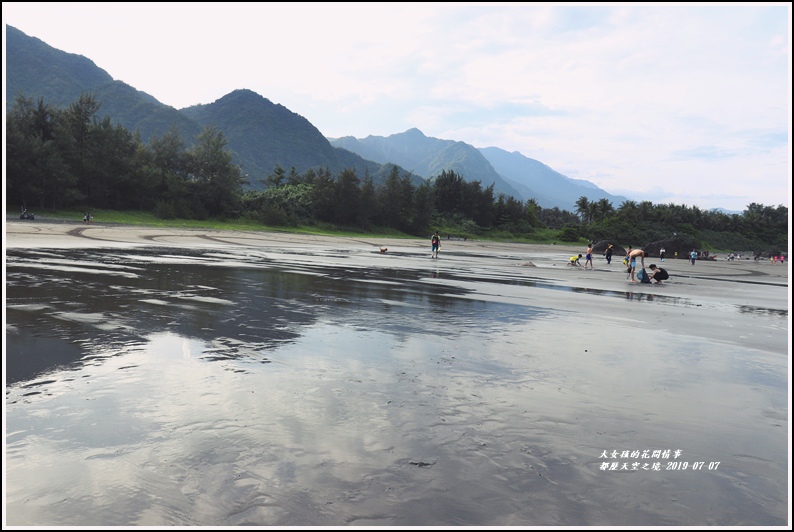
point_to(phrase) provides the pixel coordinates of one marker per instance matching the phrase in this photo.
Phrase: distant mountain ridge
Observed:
(549, 187)
(512, 174)
(428, 157)
(262, 135)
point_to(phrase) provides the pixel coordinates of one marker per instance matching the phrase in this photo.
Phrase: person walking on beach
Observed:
(435, 241)
(658, 274)
(661, 254)
(633, 255)
(589, 257)
(693, 256)
(608, 253)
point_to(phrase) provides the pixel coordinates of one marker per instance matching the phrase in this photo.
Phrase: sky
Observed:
(671, 103)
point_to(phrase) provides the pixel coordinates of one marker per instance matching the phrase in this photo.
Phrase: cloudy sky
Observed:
(673, 103)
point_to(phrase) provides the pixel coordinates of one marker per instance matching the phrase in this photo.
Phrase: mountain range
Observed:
(512, 173)
(262, 135)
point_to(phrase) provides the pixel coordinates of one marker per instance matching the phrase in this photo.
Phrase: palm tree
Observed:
(582, 208)
(604, 208)
(628, 209)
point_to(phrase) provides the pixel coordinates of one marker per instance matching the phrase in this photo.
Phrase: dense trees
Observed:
(214, 181)
(35, 167)
(71, 159)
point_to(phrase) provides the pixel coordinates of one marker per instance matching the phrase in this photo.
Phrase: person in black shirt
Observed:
(658, 274)
(608, 253)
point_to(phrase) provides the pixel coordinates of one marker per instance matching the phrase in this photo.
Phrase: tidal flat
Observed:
(174, 377)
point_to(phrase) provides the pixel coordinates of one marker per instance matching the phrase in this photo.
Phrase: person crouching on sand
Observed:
(658, 274)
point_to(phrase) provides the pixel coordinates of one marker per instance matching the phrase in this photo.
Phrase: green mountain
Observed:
(428, 157)
(263, 135)
(512, 173)
(259, 133)
(36, 70)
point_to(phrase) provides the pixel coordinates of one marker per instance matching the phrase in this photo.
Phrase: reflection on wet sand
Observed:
(228, 387)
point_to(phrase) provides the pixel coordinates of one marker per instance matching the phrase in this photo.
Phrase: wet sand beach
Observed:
(185, 377)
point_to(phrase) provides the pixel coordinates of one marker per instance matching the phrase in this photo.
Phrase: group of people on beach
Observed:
(656, 274)
(574, 260)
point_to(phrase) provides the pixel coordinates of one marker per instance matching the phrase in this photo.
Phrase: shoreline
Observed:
(60, 234)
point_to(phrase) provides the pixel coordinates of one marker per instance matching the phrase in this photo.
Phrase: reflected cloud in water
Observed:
(196, 388)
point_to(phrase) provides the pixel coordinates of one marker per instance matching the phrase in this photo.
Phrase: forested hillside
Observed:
(260, 135)
(70, 158)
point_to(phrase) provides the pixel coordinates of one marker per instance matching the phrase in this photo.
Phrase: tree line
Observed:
(71, 158)
(67, 158)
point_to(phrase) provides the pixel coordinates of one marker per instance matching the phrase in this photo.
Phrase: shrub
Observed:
(569, 233)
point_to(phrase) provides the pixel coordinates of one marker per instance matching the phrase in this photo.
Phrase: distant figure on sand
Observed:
(633, 261)
(658, 274)
(608, 253)
(589, 257)
(693, 256)
(574, 261)
(383, 250)
(661, 254)
(434, 244)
